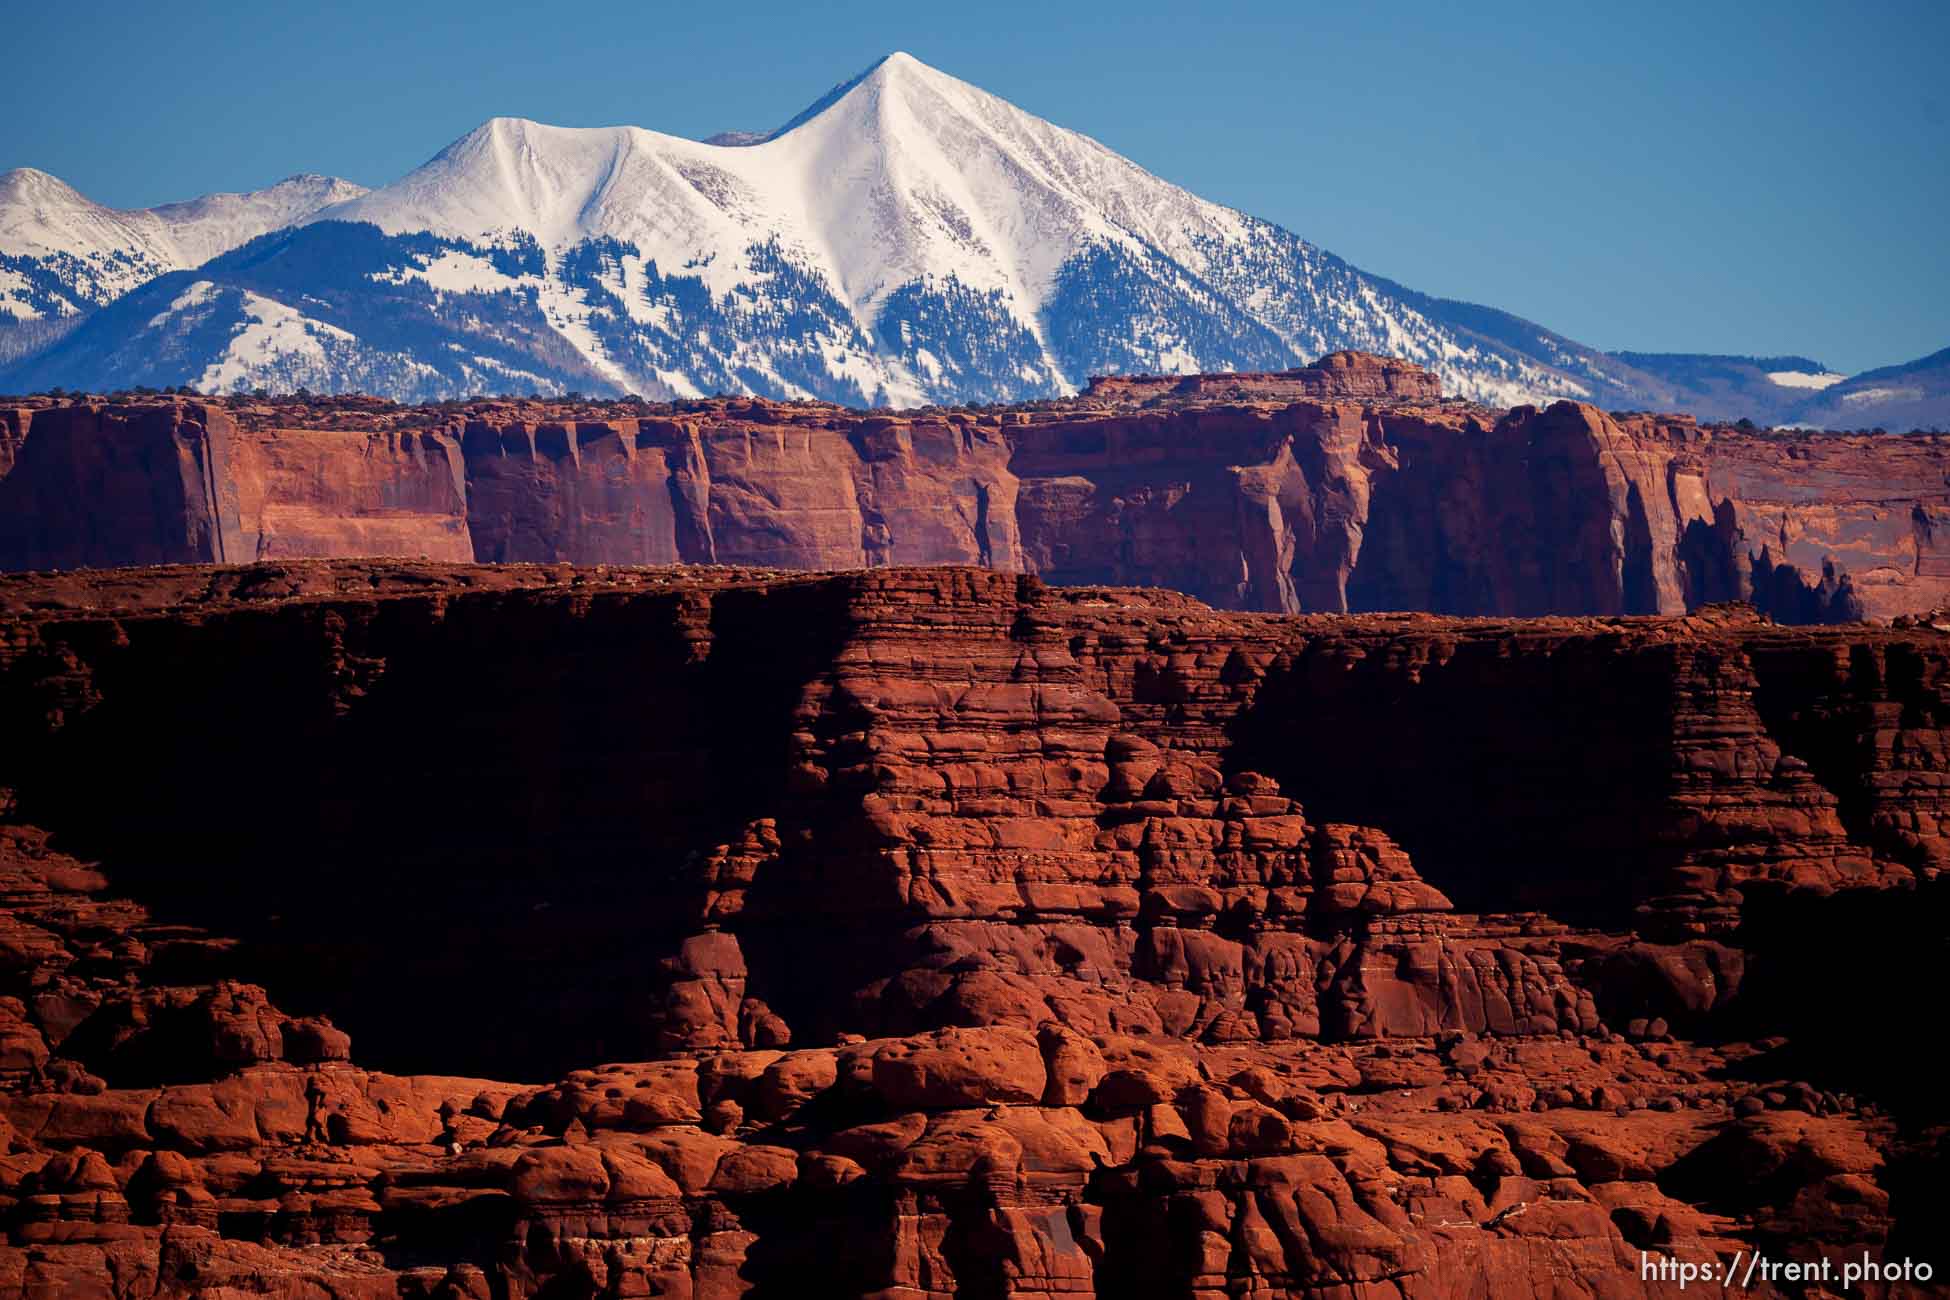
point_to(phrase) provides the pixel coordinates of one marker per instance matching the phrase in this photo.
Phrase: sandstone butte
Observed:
(420, 930)
(1348, 485)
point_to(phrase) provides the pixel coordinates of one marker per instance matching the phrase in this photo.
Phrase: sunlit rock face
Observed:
(1349, 484)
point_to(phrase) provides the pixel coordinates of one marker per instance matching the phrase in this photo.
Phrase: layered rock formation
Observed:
(1348, 485)
(935, 932)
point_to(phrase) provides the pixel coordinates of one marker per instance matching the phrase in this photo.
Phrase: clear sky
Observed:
(1751, 178)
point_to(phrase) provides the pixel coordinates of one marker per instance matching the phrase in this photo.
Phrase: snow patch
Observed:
(1884, 395)
(453, 271)
(274, 338)
(199, 293)
(1816, 380)
(14, 288)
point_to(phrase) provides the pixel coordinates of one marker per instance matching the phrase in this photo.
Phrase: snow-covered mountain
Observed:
(908, 239)
(61, 253)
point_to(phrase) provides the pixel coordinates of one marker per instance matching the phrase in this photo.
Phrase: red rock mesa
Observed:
(1346, 486)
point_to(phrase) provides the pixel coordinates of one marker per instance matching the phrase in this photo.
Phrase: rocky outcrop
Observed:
(939, 932)
(1344, 486)
(1338, 374)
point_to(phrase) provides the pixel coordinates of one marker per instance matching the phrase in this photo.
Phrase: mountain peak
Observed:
(499, 127)
(315, 181)
(903, 69)
(888, 68)
(901, 63)
(31, 184)
(830, 98)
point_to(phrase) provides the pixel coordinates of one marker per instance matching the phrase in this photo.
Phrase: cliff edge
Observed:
(1346, 486)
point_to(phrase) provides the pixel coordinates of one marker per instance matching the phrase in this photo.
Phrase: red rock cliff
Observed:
(936, 932)
(181, 484)
(1345, 486)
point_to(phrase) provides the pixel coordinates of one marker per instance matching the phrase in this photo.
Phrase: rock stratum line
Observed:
(1349, 485)
(937, 932)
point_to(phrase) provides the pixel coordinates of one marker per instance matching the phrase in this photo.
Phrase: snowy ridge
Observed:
(61, 253)
(905, 179)
(906, 174)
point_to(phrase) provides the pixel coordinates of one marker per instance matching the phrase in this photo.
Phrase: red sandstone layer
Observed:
(1347, 486)
(938, 933)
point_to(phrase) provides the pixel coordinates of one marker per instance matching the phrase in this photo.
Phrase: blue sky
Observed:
(1762, 178)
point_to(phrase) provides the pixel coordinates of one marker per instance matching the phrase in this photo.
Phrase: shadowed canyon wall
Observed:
(1346, 486)
(940, 932)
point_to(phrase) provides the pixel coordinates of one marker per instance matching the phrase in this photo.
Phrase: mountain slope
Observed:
(907, 239)
(1767, 390)
(264, 316)
(1897, 398)
(61, 253)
